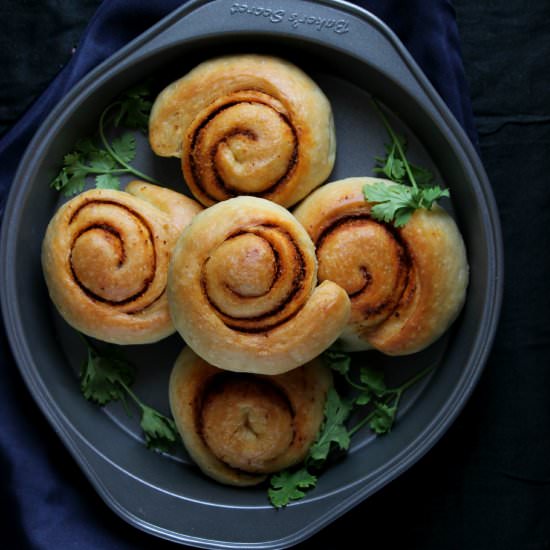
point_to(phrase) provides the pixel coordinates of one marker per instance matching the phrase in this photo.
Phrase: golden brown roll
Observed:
(242, 289)
(239, 427)
(105, 259)
(406, 285)
(246, 125)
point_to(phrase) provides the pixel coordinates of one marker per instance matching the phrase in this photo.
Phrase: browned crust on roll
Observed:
(246, 124)
(301, 394)
(105, 260)
(199, 163)
(406, 285)
(242, 289)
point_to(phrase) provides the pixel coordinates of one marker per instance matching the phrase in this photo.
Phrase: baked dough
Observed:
(406, 285)
(246, 125)
(105, 260)
(242, 289)
(239, 427)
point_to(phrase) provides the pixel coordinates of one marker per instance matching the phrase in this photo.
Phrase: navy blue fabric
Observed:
(46, 502)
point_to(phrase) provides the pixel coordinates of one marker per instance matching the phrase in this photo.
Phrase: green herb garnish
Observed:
(411, 188)
(106, 376)
(160, 431)
(287, 485)
(99, 157)
(333, 432)
(370, 393)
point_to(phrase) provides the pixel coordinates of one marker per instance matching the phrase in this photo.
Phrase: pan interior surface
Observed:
(107, 442)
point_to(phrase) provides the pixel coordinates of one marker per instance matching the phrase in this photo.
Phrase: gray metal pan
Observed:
(351, 54)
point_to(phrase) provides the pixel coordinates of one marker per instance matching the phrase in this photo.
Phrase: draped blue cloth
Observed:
(46, 502)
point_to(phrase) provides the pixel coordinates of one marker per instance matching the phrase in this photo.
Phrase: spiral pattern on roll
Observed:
(244, 144)
(238, 427)
(242, 285)
(406, 285)
(246, 422)
(105, 259)
(257, 278)
(246, 125)
(376, 270)
(113, 256)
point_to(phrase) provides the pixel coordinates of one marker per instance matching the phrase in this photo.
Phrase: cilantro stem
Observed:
(134, 397)
(112, 152)
(412, 381)
(127, 389)
(396, 142)
(361, 423)
(91, 170)
(354, 384)
(141, 406)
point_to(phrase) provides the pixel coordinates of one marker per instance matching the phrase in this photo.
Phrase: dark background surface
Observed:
(486, 484)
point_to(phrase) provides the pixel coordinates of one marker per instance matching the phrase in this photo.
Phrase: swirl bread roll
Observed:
(406, 285)
(240, 427)
(246, 125)
(242, 289)
(105, 260)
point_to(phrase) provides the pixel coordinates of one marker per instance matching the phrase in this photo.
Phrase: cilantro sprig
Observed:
(106, 376)
(288, 485)
(370, 392)
(107, 160)
(411, 188)
(333, 433)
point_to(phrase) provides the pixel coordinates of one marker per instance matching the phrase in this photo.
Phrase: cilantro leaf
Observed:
(391, 165)
(382, 418)
(85, 147)
(363, 398)
(287, 486)
(389, 199)
(430, 195)
(72, 162)
(159, 430)
(107, 181)
(103, 159)
(411, 188)
(100, 161)
(402, 216)
(135, 108)
(333, 430)
(125, 147)
(85, 160)
(102, 378)
(337, 361)
(396, 202)
(371, 391)
(71, 184)
(107, 377)
(71, 178)
(373, 380)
